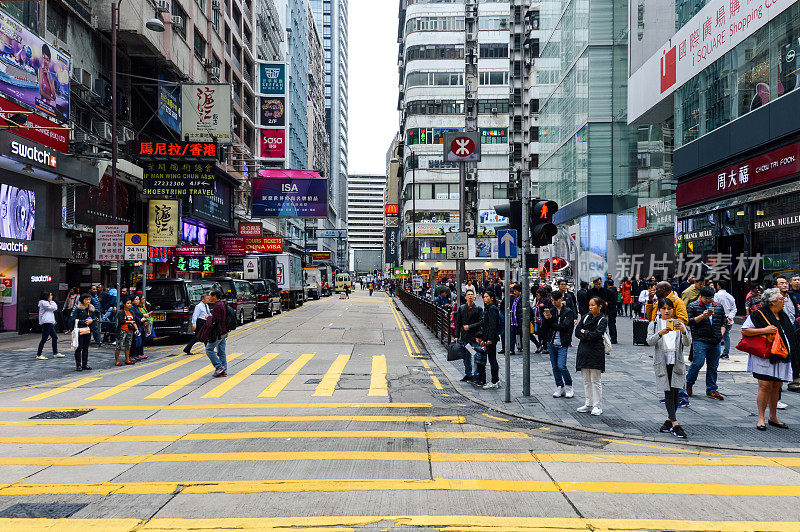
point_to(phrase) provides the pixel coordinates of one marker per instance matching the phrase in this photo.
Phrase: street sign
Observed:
(462, 147)
(457, 244)
(135, 239)
(136, 253)
(251, 268)
(507, 243)
(110, 242)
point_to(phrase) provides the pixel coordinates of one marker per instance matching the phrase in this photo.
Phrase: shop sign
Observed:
(273, 111)
(232, 245)
(206, 112)
(174, 179)
(273, 143)
(220, 260)
(174, 151)
(109, 242)
(190, 250)
(169, 106)
(41, 279)
(735, 179)
(204, 264)
(694, 235)
(81, 248)
(263, 244)
(319, 256)
(18, 213)
(392, 245)
(272, 78)
(7, 287)
(778, 222)
(35, 73)
(392, 209)
(163, 222)
(778, 261)
(292, 197)
(215, 208)
(160, 254)
(36, 128)
(715, 30)
(250, 229)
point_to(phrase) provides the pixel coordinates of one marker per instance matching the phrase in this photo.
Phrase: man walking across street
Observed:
(469, 324)
(215, 333)
(569, 298)
(708, 323)
(728, 304)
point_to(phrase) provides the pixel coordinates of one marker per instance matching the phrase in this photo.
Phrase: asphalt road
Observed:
(332, 419)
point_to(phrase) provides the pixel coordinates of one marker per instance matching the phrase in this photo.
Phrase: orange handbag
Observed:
(779, 348)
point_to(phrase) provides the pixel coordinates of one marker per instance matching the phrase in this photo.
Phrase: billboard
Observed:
(37, 128)
(169, 106)
(273, 143)
(32, 72)
(18, 213)
(163, 222)
(290, 197)
(174, 180)
(206, 112)
(272, 78)
(273, 111)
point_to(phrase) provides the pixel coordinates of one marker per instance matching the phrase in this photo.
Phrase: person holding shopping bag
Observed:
(669, 336)
(82, 317)
(591, 358)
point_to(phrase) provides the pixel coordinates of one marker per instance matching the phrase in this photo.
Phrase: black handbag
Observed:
(455, 351)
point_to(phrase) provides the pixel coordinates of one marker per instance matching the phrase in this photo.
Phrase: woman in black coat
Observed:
(490, 336)
(591, 359)
(82, 313)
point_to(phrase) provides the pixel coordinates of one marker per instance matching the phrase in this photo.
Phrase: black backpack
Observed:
(230, 318)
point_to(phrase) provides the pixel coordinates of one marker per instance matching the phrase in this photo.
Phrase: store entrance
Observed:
(733, 246)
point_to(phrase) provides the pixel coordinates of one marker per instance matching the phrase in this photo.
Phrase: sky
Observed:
(373, 84)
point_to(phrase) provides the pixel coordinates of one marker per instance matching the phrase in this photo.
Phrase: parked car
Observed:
(172, 302)
(268, 297)
(238, 294)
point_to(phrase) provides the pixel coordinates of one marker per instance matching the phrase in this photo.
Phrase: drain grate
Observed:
(618, 423)
(62, 414)
(313, 381)
(41, 511)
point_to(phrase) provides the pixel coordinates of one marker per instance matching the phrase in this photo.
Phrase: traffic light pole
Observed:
(525, 238)
(509, 340)
(462, 184)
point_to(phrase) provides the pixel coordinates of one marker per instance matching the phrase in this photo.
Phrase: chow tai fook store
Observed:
(33, 244)
(750, 205)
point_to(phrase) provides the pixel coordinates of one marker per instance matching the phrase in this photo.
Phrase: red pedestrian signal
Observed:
(542, 228)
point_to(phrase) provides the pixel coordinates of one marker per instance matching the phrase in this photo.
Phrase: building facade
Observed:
(365, 222)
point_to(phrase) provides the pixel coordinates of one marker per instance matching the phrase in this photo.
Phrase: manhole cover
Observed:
(313, 381)
(62, 414)
(41, 511)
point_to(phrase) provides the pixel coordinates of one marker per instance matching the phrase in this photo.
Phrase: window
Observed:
(493, 23)
(435, 51)
(57, 20)
(435, 24)
(215, 19)
(199, 45)
(435, 107)
(417, 79)
(499, 77)
(177, 11)
(492, 190)
(497, 135)
(494, 50)
(492, 106)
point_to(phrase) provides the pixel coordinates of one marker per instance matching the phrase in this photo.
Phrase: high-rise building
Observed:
(454, 74)
(365, 226)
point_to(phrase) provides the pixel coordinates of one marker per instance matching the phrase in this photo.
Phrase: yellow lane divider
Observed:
(409, 456)
(272, 434)
(226, 419)
(378, 387)
(188, 487)
(286, 376)
(187, 380)
(328, 383)
(409, 341)
(61, 389)
(142, 378)
(230, 382)
(215, 406)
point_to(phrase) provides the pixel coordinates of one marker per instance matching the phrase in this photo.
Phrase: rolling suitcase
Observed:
(640, 331)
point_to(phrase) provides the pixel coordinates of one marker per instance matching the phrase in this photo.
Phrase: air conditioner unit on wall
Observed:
(162, 6)
(215, 72)
(177, 21)
(206, 62)
(102, 129)
(128, 134)
(82, 77)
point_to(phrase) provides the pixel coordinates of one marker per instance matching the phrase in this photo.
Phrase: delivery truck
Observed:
(286, 269)
(313, 282)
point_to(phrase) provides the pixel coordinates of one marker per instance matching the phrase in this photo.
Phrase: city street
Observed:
(333, 417)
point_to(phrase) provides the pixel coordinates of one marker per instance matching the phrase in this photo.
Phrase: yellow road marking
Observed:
(141, 378)
(493, 417)
(227, 419)
(273, 434)
(331, 378)
(400, 327)
(61, 389)
(286, 376)
(282, 456)
(463, 523)
(436, 383)
(225, 406)
(230, 382)
(676, 449)
(408, 338)
(437, 484)
(185, 381)
(378, 387)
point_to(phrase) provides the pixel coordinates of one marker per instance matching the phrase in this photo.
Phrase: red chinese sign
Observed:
(250, 229)
(737, 178)
(168, 150)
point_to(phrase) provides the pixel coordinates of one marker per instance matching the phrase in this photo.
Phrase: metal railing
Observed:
(435, 318)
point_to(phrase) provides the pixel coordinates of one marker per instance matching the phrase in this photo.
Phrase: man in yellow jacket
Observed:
(660, 291)
(693, 292)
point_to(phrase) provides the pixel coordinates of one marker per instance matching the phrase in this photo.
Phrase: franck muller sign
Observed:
(778, 222)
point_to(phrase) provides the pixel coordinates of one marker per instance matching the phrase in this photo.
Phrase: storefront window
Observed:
(777, 241)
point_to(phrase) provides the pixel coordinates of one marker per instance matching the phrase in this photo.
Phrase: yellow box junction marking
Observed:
(222, 406)
(331, 378)
(185, 381)
(378, 387)
(230, 382)
(142, 378)
(61, 389)
(286, 376)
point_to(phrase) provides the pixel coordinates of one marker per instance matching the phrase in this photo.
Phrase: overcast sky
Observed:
(373, 84)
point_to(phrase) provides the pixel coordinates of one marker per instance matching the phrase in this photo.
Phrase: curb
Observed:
(454, 382)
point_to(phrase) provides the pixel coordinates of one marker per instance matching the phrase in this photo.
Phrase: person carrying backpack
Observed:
(215, 333)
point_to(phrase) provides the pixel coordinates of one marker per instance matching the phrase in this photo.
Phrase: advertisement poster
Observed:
(174, 180)
(169, 106)
(215, 208)
(272, 78)
(320, 256)
(93, 205)
(18, 213)
(37, 128)
(273, 145)
(109, 242)
(163, 222)
(32, 72)
(273, 111)
(206, 112)
(204, 264)
(295, 198)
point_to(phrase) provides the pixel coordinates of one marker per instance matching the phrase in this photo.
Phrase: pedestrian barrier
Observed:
(435, 318)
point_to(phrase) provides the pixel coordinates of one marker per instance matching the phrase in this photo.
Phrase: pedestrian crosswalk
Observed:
(193, 373)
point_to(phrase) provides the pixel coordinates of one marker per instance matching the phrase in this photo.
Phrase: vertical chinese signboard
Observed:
(206, 112)
(163, 222)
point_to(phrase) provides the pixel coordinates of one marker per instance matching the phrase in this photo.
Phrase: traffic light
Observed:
(542, 228)
(513, 211)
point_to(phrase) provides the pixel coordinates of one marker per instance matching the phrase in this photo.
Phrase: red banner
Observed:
(232, 246)
(320, 255)
(250, 229)
(50, 134)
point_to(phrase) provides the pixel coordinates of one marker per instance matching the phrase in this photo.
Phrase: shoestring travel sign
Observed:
(176, 169)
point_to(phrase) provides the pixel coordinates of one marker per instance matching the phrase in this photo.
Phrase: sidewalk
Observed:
(630, 400)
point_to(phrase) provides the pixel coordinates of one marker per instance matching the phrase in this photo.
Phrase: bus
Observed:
(342, 280)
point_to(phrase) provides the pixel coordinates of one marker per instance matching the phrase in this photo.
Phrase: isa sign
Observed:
(290, 198)
(272, 79)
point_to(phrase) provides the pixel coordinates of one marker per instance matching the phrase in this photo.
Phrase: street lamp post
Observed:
(414, 161)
